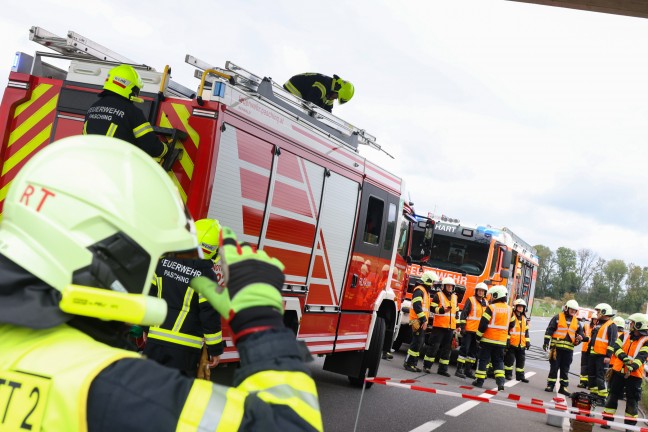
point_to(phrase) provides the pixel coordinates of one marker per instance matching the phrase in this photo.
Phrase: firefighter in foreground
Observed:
(80, 241)
(419, 316)
(492, 335)
(115, 114)
(519, 342)
(444, 305)
(563, 332)
(628, 371)
(602, 346)
(468, 323)
(587, 331)
(190, 320)
(320, 89)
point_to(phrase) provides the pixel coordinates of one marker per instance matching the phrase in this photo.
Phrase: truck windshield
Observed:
(451, 253)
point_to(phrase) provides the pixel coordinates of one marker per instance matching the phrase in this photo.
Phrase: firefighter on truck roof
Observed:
(190, 320)
(469, 322)
(65, 298)
(115, 115)
(320, 89)
(419, 316)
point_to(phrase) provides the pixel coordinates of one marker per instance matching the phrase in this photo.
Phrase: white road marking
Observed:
(429, 426)
(458, 410)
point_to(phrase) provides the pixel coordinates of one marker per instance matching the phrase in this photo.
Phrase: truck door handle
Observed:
(354, 280)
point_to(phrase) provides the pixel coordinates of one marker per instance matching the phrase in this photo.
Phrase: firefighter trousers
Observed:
(596, 374)
(517, 356)
(584, 371)
(491, 353)
(441, 344)
(468, 349)
(632, 388)
(561, 364)
(414, 351)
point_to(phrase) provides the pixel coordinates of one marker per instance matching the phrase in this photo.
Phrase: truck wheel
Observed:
(371, 359)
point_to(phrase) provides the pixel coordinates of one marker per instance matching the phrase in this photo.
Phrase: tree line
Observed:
(583, 275)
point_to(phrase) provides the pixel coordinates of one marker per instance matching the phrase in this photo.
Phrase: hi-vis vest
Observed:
(631, 348)
(587, 329)
(476, 312)
(448, 319)
(518, 332)
(497, 331)
(601, 343)
(565, 335)
(425, 305)
(50, 372)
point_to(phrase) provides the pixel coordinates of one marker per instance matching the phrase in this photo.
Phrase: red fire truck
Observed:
(282, 173)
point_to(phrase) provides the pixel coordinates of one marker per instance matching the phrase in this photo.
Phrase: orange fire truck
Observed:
(282, 173)
(473, 254)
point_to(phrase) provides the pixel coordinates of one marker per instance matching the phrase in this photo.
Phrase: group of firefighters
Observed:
(495, 335)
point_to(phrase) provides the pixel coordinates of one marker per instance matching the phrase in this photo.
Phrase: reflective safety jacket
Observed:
(447, 319)
(312, 87)
(494, 324)
(587, 331)
(115, 116)
(603, 338)
(562, 331)
(190, 318)
(637, 349)
(420, 305)
(472, 313)
(519, 331)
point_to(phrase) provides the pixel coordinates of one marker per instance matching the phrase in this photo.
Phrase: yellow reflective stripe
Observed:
(186, 305)
(183, 114)
(40, 114)
(37, 93)
(111, 130)
(203, 408)
(320, 86)
(185, 161)
(295, 390)
(175, 337)
(142, 129)
(85, 125)
(233, 411)
(28, 148)
(417, 299)
(292, 89)
(213, 338)
(3, 191)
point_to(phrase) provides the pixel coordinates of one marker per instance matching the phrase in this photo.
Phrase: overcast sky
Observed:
(498, 112)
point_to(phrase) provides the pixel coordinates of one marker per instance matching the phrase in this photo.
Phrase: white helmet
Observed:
(498, 292)
(594, 316)
(448, 281)
(429, 277)
(640, 321)
(482, 286)
(571, 304)
(90, 216)
(520, 302)
(619, 321)
(604, 309)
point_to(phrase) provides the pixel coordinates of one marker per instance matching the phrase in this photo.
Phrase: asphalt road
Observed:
(394, 409)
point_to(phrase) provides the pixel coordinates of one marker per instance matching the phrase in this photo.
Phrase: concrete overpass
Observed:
(633, 8)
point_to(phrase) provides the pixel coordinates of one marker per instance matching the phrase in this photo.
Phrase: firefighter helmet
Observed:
(571, 304)
(639, 321)
(448, 281)
(594, 316)
(344, 89)
(520, 302)
(619, 321)
(498, 292)
(481, 286)
(101, 237)
(125, 81)
(429, 277)
(604, 309)
(208, 234)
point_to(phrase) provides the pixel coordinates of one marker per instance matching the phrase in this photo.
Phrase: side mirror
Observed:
(506, 261)
(354, 280)
(504, 274)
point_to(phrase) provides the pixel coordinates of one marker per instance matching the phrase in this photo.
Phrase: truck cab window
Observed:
(391, 228)
(373, 223)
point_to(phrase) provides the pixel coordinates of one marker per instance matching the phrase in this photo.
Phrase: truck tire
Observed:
(371, 359)
(404, 336)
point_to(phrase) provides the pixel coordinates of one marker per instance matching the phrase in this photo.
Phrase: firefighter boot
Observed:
(508, 375)
(549, 388)
(460, 371)
(443, 370)
(500, 384)
(470, 372)
(479, 382)
(519, 376)
(411, 367)
(564, 391)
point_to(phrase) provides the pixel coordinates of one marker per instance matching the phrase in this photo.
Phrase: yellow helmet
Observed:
(208, 234)
(344, 89)
(429, 278)
(88, 228)
(125, 81)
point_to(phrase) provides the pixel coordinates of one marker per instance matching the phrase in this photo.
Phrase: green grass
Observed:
(546, 307)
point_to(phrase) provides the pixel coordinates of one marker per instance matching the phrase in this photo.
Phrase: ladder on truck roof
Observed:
(274, 93)
(79, 47)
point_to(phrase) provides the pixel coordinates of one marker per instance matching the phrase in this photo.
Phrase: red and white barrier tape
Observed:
(560, 411)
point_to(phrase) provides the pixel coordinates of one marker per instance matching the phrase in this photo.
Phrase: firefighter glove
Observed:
(528, 345)
(545, 346)
(441, 310)
(252, 278)
(627, 360)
